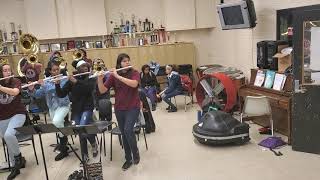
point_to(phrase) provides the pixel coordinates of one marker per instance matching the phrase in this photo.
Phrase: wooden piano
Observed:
(280, 104)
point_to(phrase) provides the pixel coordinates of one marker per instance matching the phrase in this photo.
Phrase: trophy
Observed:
(5, 35)
(140, 26)
(122, 26)
(133, 25)
(146, 25)
(128, 27)
(20, 29)
(14, 34)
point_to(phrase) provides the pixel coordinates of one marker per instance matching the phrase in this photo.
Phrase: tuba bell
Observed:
(22, 62)
(77, 55)
(28, 44)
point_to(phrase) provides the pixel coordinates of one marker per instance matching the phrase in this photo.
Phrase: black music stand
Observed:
(50, 128)
(39, 129)
(80, 129)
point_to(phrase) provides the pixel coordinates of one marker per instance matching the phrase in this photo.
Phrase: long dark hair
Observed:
(50, 65)
(121, 57)
(145, 67)
(1, 75)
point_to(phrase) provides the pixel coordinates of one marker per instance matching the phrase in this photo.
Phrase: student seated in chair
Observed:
(174, 88)
(12, 115)
(149, 84)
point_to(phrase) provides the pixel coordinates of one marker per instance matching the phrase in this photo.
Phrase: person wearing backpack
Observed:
(149, 84)
(174, 88)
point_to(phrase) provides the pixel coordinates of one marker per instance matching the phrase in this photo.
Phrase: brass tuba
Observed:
(28, 44)
(3, 61)
(98, 65)
(77, 54)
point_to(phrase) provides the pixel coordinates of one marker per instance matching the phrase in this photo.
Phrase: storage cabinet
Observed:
(206, 13)
(41, 18)
(51, 19)
(89, 18)
(179, 14)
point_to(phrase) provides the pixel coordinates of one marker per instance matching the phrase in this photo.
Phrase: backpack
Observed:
(186, 83)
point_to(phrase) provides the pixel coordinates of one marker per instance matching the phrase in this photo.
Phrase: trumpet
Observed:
(6, 78)
(66, 77)
(36, 82)
(106, 72)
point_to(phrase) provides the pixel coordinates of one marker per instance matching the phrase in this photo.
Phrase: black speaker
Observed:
(262, 57)
(265, 52)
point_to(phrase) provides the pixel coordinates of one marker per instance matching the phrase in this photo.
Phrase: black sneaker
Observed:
(168, 108)
(136, 159)
(173, 110)
(126, 165)
(61, 155)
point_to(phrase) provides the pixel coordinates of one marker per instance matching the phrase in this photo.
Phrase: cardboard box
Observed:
(284, 61)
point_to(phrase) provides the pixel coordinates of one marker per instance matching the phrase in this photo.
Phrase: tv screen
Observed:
(237, 15)
(232, 15)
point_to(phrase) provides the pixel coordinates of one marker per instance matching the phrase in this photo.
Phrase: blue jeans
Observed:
(85, 118)
(126, 120)
(151, 94)
(167, 97)
(8, 132)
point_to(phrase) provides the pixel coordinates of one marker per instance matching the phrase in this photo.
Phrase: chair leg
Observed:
(72, 139)
(34, 150)
(145, 139)
(272, 130)
(4, 150)
(185, 103)
(57, 138)
(120, 140)
(45, 118)
(111, 146)
(241, 116)
(104, 144)
(8, 158)
(175, 101)
(97, 140)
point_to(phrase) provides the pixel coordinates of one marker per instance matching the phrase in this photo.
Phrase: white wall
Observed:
(12, 11)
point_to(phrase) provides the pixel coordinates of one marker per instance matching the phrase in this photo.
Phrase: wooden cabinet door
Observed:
(41, 18)
(179, 14)
(206, 13)
(89, 17)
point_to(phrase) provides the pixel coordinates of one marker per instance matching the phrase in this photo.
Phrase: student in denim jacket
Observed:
(58, 107)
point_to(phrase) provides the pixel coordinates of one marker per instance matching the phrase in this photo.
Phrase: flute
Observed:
(66, 77)
(6, 77)
(36, 82)
(106, 72)
(162, 92)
